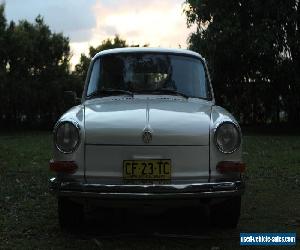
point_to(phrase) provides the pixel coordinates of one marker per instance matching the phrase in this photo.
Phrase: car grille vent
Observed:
(121, 98)
(130, 98)
(169, 98)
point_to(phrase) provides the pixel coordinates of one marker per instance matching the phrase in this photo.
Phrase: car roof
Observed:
(148, 50)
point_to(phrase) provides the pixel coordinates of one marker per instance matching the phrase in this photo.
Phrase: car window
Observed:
(189, 76)
(138, 72)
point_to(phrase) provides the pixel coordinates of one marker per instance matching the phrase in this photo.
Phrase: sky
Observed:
(159, 23)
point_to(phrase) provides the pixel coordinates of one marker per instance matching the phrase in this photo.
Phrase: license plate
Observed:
(147, 169)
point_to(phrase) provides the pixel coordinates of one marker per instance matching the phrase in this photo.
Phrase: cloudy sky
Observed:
(88, 22)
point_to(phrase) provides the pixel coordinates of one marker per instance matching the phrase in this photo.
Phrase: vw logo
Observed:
(147, 136)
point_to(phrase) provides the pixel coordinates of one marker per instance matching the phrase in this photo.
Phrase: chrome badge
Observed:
(147, 136)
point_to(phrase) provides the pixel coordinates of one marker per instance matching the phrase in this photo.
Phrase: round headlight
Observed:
(66, 137)
(227, 137)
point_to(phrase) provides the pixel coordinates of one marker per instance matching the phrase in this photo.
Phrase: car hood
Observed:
(123, 121)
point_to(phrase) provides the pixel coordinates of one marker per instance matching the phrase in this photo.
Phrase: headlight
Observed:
(227, 137)
(66, 137)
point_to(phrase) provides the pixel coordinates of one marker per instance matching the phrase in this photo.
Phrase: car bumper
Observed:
(189, 190)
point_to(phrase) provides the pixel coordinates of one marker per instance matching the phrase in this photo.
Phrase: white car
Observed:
(147, 131)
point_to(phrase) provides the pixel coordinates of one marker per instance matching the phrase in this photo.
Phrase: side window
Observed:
(94, 78)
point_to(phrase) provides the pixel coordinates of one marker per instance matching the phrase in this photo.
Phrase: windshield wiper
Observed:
(108, 92)
(172, 91)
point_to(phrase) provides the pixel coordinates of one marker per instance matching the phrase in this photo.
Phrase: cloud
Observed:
(156, 22)
(109, 30)
(89, 22)
(74, 18)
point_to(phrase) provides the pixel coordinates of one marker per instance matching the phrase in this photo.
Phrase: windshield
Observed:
(148, 73)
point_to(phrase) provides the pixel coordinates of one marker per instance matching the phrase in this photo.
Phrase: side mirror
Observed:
(71, 99)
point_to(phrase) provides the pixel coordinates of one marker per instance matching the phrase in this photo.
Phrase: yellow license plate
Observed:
(147, 169)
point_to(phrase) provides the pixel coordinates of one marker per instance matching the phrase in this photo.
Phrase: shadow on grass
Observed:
(184, 221)
(176, 228)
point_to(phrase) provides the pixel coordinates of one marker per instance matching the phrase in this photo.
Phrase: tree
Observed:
(2, 58)
(82, 68)
(250, 46)
(35, 71)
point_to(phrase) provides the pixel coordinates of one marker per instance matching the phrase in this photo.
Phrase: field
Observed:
(28, 218)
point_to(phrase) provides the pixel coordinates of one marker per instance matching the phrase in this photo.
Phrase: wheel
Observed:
(227, 213)
(70, 214)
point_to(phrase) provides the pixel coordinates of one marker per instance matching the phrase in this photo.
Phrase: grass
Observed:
(28, 218)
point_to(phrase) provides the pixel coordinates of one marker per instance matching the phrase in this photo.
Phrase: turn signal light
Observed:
(231, 166)
(68, 167)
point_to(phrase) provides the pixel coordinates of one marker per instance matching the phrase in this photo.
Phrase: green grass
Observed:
(28, 218)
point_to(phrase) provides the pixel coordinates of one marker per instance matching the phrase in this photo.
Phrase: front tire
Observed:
(227, 213)
(70, 214)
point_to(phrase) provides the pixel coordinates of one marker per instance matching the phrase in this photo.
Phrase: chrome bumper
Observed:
(152, 191)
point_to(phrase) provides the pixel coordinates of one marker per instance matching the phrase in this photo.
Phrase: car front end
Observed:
(131, 144)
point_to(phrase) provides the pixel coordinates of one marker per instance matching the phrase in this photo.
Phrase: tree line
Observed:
(253, 52)
(35, 72)
(252, 49)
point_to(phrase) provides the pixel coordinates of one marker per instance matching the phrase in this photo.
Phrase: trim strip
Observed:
(138, 145)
